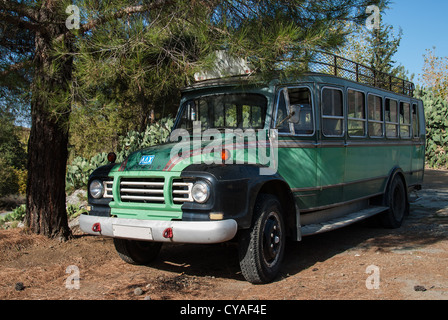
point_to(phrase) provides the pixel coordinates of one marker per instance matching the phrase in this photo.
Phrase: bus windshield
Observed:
(222, 111)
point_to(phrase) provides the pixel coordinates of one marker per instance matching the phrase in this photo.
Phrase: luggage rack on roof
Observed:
(316, 62)
(328, 63)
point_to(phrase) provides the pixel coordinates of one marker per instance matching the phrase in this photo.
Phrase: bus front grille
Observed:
(142, 190)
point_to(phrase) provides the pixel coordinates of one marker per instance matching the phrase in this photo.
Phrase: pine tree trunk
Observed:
(47, 149)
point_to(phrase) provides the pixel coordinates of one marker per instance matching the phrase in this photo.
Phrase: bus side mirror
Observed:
(294, 113)
(191, 109)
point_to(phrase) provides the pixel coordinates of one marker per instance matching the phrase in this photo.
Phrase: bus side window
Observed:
(391, 118)
(356, 114)
(415, 121)
(376, 124)
(332, 112)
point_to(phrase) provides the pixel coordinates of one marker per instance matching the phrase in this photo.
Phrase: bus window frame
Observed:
(343, 117)
(283, 90)
(365, 120)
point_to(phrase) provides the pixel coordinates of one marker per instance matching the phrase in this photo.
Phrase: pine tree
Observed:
(374, 48)
(384, 45)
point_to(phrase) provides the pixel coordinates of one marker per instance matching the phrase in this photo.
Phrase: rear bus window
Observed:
(405, 120)
(415, 124)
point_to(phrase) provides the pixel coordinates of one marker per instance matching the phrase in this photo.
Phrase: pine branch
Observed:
(19, 8)
(18, 21)
(117, 15)
(125, 11)
(15, 67)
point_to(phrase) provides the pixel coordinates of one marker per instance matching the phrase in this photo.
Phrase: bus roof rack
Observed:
(315, 62)
(329, 63)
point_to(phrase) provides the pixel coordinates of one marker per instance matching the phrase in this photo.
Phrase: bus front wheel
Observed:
(261, 247)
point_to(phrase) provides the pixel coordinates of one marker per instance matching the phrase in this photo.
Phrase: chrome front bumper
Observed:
(160, 231)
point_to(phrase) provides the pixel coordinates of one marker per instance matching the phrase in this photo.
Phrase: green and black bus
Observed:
(305, 155)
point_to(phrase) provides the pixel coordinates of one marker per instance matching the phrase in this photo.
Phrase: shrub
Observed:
(74, 210)
(22, 176)
(436, 114)
(8, 179)
(18, 215)
(79, 170)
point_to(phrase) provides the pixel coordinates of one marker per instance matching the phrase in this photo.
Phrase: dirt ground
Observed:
(360, 262)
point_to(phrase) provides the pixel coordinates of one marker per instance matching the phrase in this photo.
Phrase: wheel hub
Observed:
(271, 239)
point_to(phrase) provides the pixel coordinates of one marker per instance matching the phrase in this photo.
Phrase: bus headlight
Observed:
(96, 189)
(200, 192)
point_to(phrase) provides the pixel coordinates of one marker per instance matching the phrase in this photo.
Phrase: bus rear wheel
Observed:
(397, 200)
(261, 247)
(137, 252)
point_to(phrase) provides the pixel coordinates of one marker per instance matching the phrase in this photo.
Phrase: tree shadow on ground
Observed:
(221, 261)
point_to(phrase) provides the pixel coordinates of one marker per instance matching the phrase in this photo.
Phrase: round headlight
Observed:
(200, 192)
(96, 189)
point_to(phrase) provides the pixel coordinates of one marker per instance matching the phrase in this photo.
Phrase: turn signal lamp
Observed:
(111, 157)
(225, 154)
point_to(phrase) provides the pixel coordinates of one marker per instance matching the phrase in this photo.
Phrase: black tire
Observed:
(261, 247)
(137, 252)
(396, 199)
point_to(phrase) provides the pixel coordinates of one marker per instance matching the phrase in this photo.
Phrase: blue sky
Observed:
(424, 25)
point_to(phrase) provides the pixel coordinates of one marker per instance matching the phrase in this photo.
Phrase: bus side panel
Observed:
(331, 174)
(368, 168)
(405, 160)
(366, 171)
(298, 167)
(418, 164)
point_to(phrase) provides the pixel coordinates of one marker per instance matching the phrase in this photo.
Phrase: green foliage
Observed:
(155, 133)
(12, 157)
(18, 214)
(80, 168)
(22, 176)
(74, 211)
(436, 113)
(11, 148)
(8, 179)
(435, 73)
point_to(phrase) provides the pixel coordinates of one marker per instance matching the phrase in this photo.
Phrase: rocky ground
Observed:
(360, 262)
